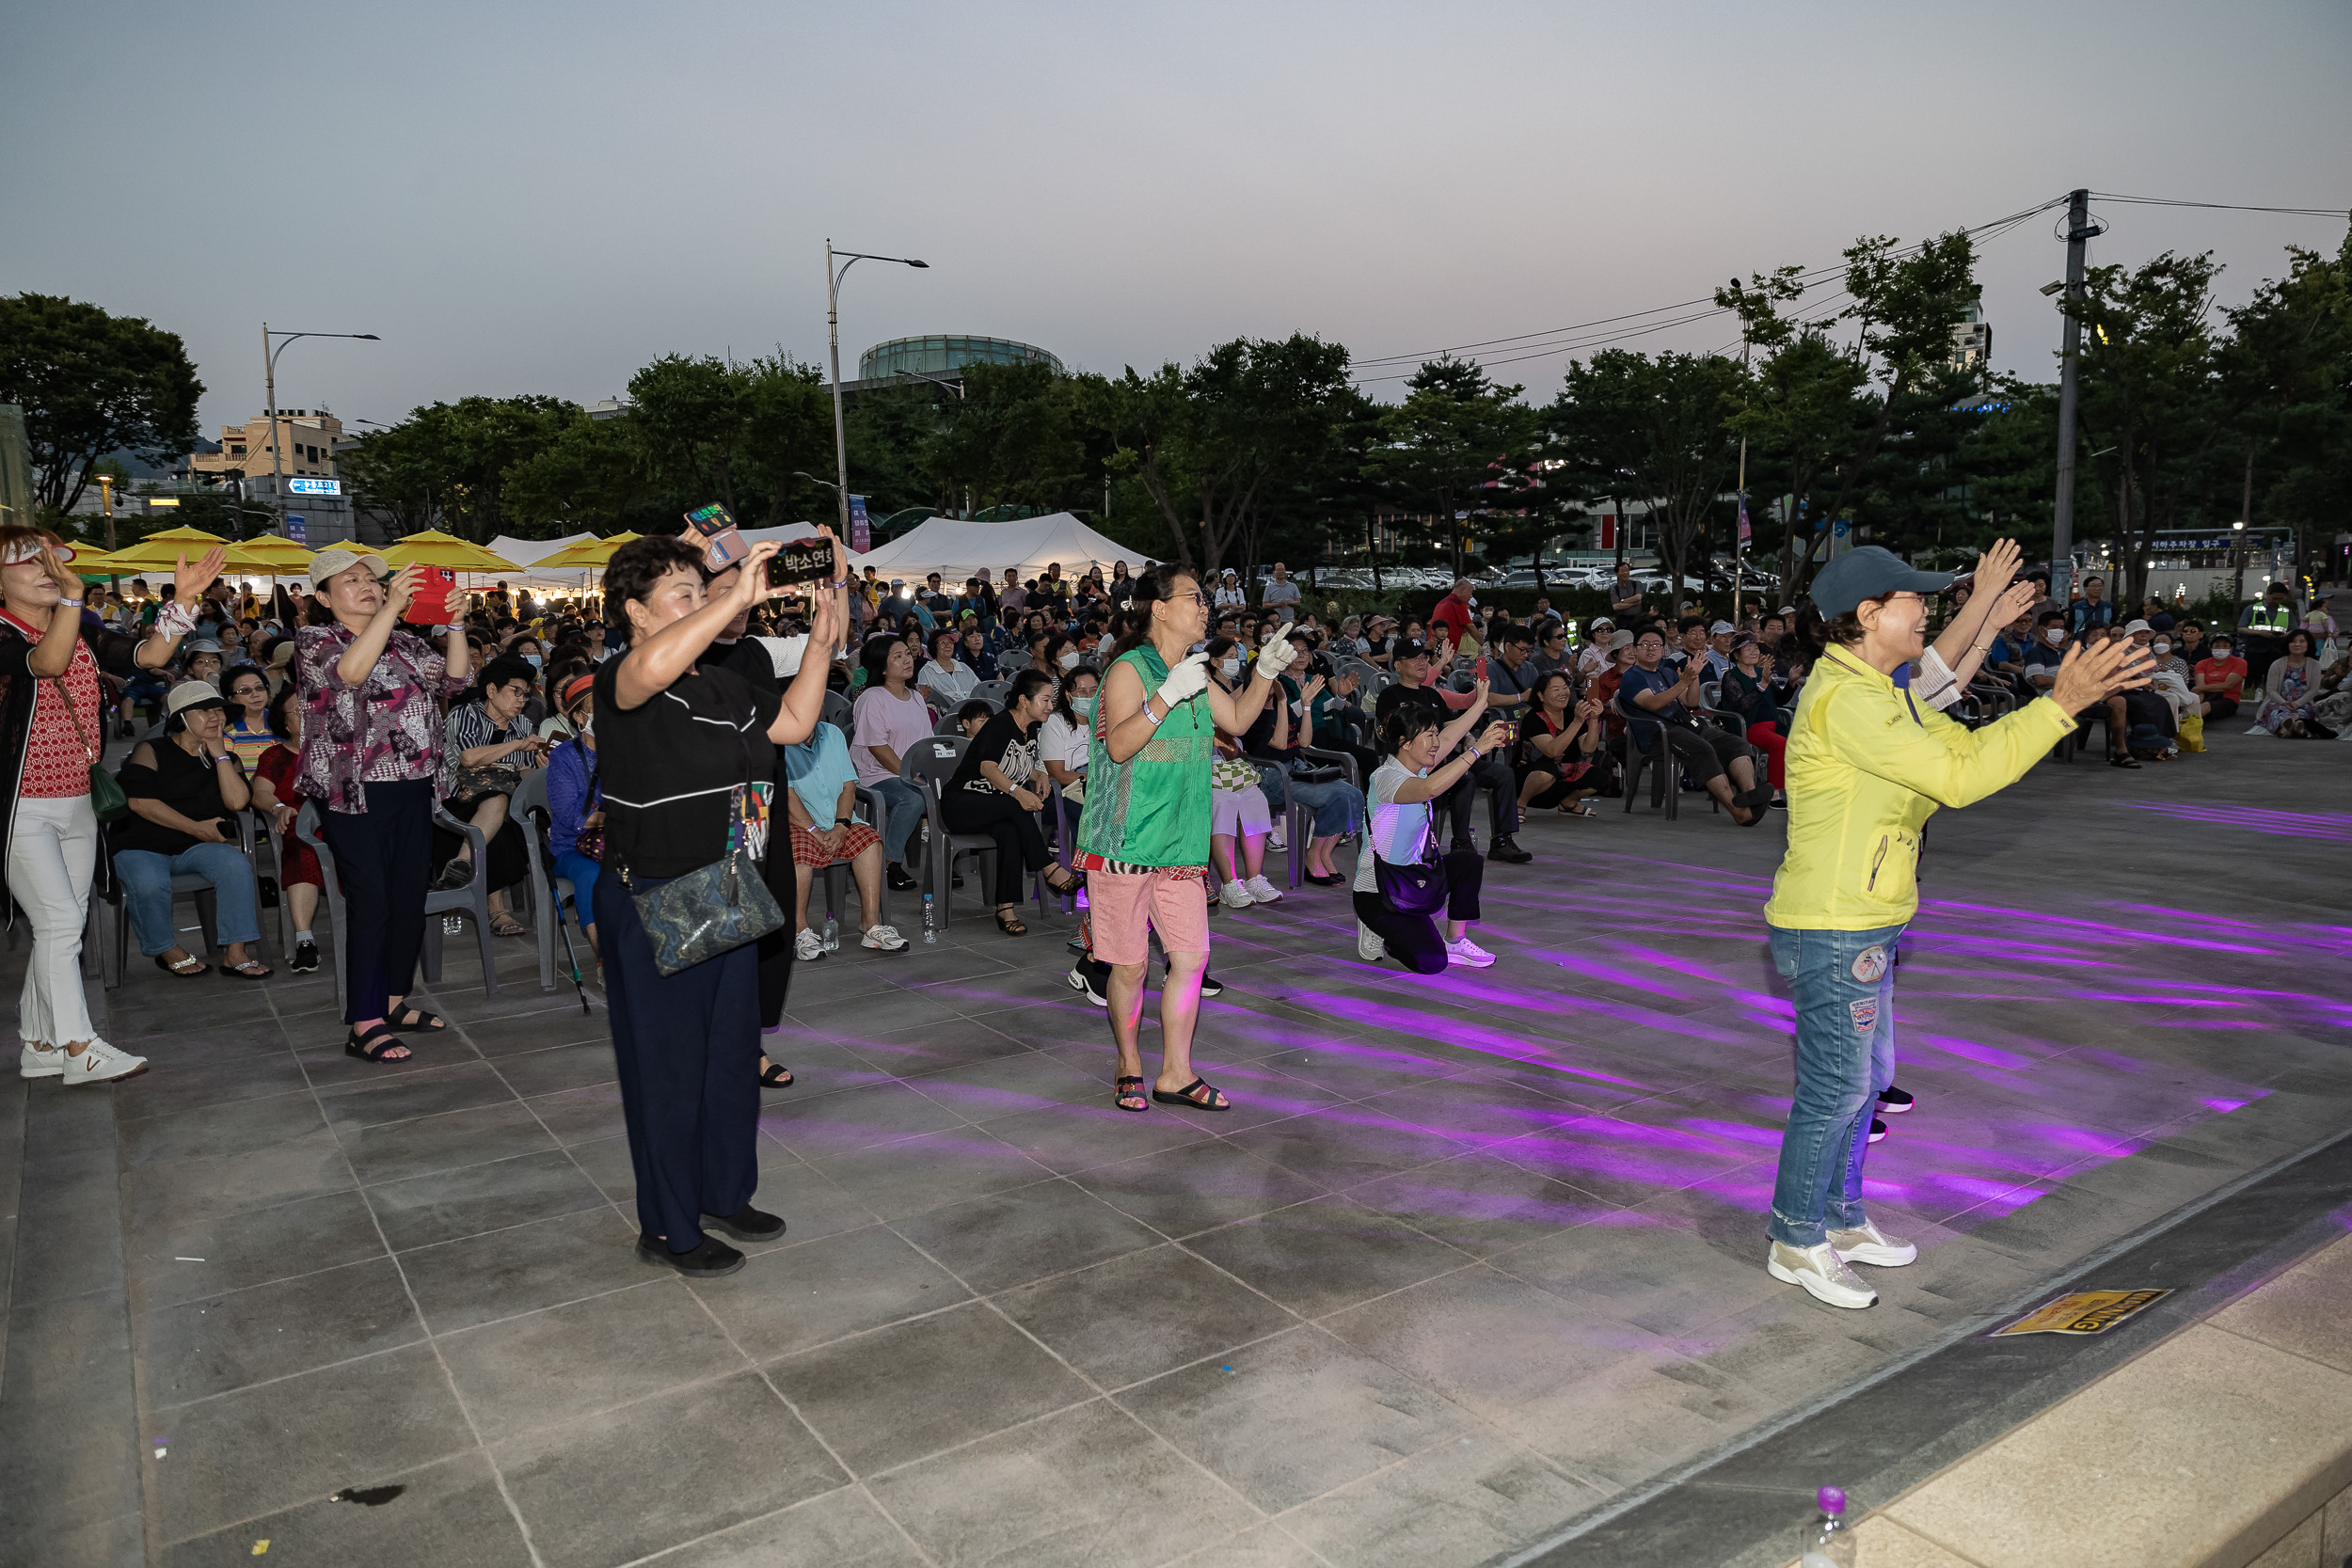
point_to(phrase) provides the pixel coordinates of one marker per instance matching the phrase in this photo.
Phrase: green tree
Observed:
(90, 384)
(1655, 428)
(1458, 444)
(446, 466)
(1213, 445)
(1011, 440)
(2148, 397)
(2286, 374)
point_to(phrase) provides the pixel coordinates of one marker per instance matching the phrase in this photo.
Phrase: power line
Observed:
(2224, 206)
(1564, 340)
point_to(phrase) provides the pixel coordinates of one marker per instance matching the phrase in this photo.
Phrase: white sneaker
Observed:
(100, 1063)
(1274, 839)
(1237, 895)
(808, 947)
(1263, 890)
(1822, 1274)
(1870, 1244)
(884, 939)
(1463, 951)
(44, 1061)
(1369, 946)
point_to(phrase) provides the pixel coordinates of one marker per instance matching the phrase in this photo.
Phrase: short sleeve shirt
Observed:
(2218, 673)
(1400, 831)
(1638, 680)
(883, 720)
(670, 767)
(1012, 749)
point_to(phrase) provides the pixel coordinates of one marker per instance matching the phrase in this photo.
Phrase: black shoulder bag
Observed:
(1417, 887)
(710, 912)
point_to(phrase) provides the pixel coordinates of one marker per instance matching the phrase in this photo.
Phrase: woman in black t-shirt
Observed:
(990, 794)
(680, 748)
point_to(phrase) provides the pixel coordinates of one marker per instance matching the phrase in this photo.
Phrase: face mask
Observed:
(1083, 706)
(588, 725)
(531, 660)
(2161, 647)
(1070, 658)
(2056, 635)
(1231, 667)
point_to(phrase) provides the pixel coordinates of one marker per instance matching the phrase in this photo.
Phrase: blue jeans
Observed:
(147, 891)
(1338, 805)
(902, 809)
(1844, 987)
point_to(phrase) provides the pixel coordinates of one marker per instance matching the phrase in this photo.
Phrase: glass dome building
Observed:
(945, 355)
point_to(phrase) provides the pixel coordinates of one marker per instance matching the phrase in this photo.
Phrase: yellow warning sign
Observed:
(2083, 1312)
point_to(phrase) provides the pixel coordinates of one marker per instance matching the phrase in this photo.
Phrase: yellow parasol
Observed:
(158, 552)
(589, 554)
(279, 556)
(434, 549)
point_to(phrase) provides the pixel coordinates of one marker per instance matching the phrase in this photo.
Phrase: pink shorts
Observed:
(1127, 907)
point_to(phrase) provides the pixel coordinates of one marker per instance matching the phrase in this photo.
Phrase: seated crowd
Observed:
(425, 739)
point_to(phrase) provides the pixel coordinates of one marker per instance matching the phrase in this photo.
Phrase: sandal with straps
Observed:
(1193, 1094)
(776, 1075)
(189, 968)
(375, 1045)
(1011, 924)
(1129, 1089)
(1076, 881)
(417, 1018)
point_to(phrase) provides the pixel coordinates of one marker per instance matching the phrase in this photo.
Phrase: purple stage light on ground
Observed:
(2333, 827)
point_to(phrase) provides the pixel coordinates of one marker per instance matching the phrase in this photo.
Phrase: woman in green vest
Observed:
(1143, 840)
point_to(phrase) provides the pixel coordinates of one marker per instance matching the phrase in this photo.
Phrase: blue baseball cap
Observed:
(1871, 572)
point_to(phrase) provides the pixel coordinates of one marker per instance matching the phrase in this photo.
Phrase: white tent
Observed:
(524, 553)
(957, 550)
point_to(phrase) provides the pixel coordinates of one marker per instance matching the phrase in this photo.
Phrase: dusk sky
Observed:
(541, 197)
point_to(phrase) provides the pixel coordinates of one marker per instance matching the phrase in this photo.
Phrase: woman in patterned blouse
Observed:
(371, 754)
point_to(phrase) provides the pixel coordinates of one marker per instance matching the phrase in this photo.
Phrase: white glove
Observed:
(1188, 680)
(1276, 656)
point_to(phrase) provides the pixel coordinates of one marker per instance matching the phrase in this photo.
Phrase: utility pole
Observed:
(106, 505)
(2079, 234)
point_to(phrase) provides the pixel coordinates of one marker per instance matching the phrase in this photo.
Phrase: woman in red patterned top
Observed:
(50, 735)
(371, 698)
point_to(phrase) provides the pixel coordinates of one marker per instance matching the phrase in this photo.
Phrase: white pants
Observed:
(50, 861)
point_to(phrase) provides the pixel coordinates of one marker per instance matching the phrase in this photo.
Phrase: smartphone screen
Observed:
(811, 561)
(723, 546)
(430, 607)
(709, 520)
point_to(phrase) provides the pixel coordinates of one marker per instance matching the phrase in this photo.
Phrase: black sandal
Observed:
(2124, 760)
(1129, 1088)
(776, 1075)
(1185, 1097)
(1077, 880)
(372, 1046)
(419, 1018)
(177, 969)
(1011, 924)
(252, 969)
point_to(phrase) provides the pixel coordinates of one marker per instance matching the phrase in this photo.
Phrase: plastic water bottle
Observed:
(833, 934)
(930, 923)
(1828, 1544)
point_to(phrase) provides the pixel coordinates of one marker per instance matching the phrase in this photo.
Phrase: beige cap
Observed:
(327, 563)
(2138, 626)
(1620, 640)
(188, 694)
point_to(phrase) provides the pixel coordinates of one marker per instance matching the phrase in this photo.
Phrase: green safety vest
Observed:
(2265, 618)
(1154, 809)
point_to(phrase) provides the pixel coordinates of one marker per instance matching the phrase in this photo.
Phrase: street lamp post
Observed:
(269, 386)
(832, 334)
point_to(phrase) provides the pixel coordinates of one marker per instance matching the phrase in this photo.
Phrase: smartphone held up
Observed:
(803, 561)
(722, 543)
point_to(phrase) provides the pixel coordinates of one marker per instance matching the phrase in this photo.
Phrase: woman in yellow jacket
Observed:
(1870, 759)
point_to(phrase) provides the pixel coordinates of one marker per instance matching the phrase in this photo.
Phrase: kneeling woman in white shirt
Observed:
(1402, 788)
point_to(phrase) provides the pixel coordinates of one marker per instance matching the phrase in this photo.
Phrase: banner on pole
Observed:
(861, 530)
(1743, 519)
